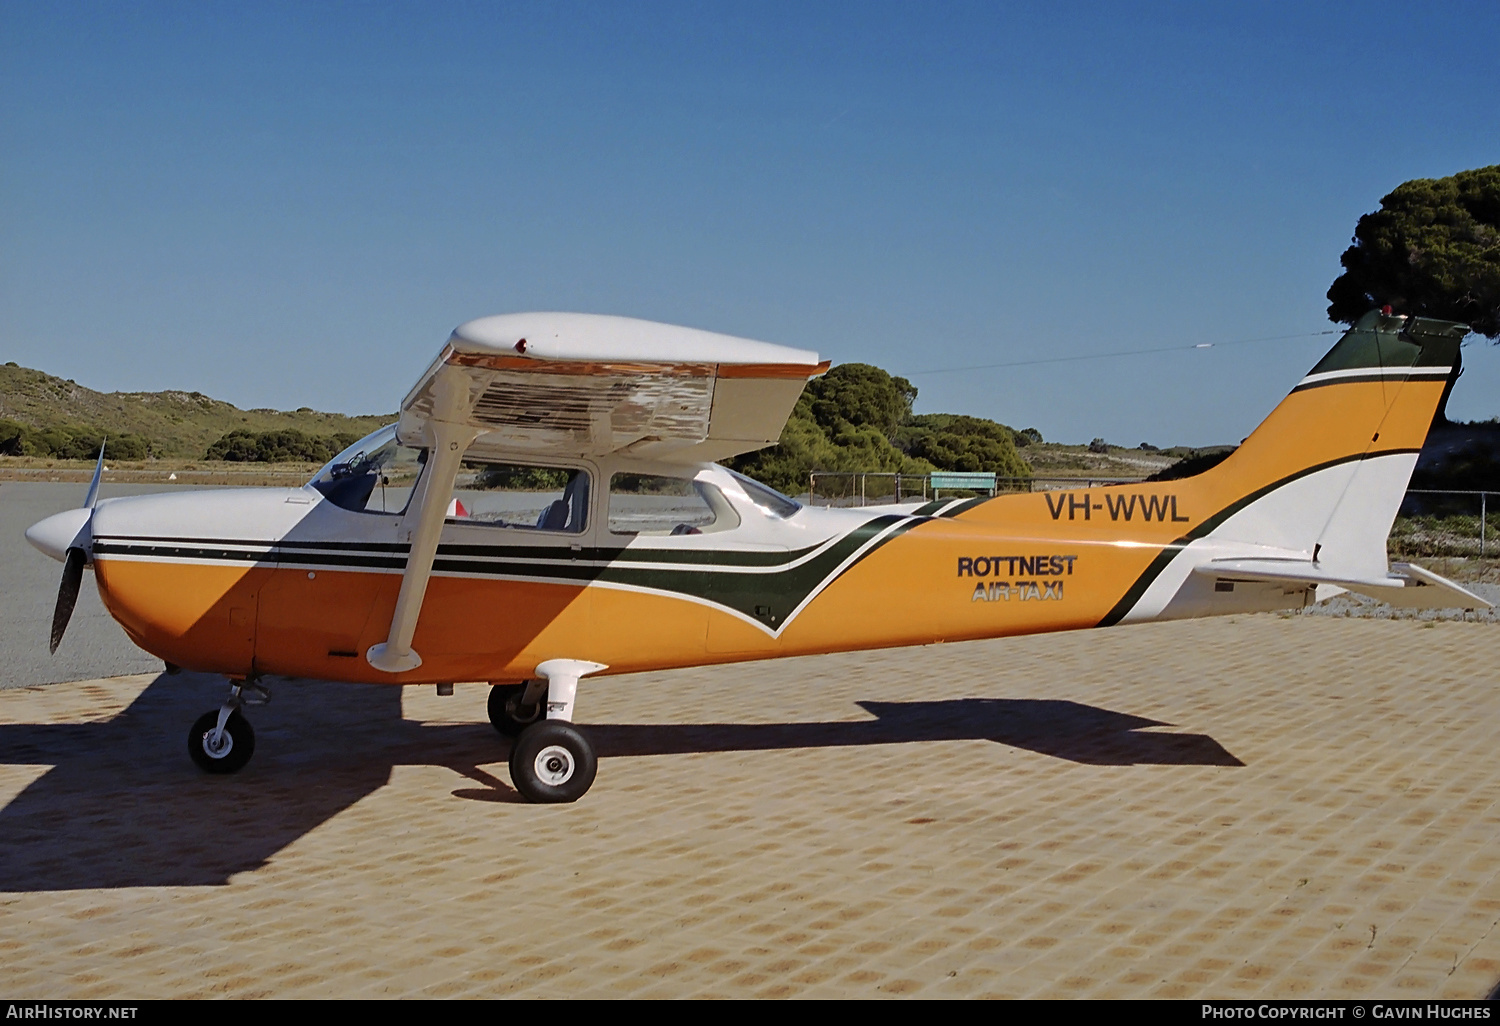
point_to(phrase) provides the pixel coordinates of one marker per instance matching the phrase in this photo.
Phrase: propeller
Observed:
(72, 575)
(67, 596)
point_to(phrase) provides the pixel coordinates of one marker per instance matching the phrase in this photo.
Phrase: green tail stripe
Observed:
(706, 557)
(768, 597)
(1381, 342)
(1135, 591)
(966, 505)
(1153, 570)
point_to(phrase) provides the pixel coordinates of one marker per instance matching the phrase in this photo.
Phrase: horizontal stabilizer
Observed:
(1420, 580)
(1405, 586)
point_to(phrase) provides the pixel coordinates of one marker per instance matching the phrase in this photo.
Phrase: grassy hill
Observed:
(1054, 459)
(178, 425)
(856, 417)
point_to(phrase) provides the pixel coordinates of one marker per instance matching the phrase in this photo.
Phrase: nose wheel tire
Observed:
(226, 753)
(508, 715)
(552, 762)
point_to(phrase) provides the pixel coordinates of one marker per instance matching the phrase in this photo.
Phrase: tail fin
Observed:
(1326, 472)
(1308, 500)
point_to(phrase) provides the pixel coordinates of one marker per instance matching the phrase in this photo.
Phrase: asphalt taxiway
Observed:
(94, 645)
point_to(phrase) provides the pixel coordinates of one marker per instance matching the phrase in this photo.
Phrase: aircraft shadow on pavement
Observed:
(121, 805)
(1065, 730)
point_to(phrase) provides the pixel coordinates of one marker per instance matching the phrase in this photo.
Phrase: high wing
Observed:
(589, 385)
(561, 384)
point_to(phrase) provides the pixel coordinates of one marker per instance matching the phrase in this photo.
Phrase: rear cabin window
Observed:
(768, 498)
(651, 505)
(520, 497)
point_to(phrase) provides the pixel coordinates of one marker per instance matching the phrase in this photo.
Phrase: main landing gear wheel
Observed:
(228, 751)
(508, 715)
(552, 762)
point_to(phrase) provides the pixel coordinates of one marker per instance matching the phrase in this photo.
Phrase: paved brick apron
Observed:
(1256, 807)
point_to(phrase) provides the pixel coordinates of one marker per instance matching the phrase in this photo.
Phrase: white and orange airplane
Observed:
(547, 509)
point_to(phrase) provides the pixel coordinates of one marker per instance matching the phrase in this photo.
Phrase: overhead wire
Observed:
(1124, 352)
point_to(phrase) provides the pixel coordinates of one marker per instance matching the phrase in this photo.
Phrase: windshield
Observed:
(766, 497)
(374, 475)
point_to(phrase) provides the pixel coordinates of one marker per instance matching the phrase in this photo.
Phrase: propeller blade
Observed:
(93, 495)
(67, 596)
(72, 576)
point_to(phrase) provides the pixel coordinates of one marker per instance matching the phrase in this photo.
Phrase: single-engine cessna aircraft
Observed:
(547, 509)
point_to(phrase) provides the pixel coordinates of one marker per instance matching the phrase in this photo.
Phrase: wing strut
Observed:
(447, 440)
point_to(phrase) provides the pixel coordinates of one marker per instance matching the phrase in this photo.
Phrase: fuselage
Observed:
(283, 581)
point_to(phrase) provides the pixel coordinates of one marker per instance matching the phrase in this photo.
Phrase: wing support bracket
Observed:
(562, 684)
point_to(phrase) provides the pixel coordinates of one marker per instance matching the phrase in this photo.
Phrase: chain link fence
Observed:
(1446, 524)
(1453, 533)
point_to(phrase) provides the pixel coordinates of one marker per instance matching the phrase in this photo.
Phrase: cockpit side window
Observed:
(534, 498)
(377, 474)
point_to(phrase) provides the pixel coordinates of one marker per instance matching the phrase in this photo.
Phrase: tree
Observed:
(951, 441)
(862, 396)
(845, 420)
(858, 417)
(1433, 248)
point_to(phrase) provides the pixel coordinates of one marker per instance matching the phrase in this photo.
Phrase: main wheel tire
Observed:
(553, 762)
(508, 715)
(235, 747)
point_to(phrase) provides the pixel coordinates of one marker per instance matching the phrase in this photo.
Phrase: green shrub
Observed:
(858, 417)
(520, 479)
(70, 442)
(287, 445)
(1193, 464)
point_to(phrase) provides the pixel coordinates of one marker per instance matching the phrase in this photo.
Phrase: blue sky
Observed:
(292, 204)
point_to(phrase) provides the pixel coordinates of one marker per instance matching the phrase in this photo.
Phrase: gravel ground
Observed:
(1358, 605)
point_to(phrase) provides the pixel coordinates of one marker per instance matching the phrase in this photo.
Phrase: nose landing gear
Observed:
(222, 741)
(222, 748)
